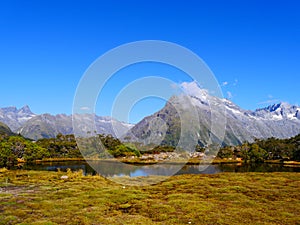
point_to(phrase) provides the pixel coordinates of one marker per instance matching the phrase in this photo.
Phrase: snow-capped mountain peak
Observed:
(201, 98)
(280, 111)
(192, 89)
(10, 109)
(14, 117)
(280, 120)
(277, 107)
(25, 110)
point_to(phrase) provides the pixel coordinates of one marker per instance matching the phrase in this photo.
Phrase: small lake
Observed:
(113, 169)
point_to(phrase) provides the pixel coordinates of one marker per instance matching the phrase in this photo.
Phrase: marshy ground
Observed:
(39, 197)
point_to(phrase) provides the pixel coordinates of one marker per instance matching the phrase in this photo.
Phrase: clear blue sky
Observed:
(253, 47)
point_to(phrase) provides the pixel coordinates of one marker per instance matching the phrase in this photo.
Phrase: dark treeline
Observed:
(261, 150)
(14, 149)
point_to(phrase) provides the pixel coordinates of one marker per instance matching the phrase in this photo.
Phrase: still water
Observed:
(112, 169)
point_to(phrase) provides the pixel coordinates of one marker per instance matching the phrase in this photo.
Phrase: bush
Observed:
(16, 147)
(123, 151)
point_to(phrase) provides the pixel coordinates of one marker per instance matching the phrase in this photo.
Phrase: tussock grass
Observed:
(39, 197)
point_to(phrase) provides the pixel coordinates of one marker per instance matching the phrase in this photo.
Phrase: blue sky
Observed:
(252, 47)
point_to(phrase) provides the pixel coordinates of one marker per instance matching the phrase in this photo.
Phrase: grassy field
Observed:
(36, 197)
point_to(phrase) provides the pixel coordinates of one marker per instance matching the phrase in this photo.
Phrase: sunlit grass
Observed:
(37, 197)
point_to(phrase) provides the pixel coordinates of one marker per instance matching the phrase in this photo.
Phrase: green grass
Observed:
(37, 197)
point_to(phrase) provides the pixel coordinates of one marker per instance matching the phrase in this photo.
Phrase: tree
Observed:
(245, 151)
(199, 148)
(226, 152)
(7, 157)
(123, 151)
(257, 154)
(34, 152)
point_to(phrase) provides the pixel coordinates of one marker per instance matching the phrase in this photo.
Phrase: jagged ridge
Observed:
(279, 120)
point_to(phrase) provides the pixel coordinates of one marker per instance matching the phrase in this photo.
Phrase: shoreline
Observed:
(151, 162)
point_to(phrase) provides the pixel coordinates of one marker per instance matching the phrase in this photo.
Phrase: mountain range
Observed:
(280, 120)
(15, 118)
(33, 126)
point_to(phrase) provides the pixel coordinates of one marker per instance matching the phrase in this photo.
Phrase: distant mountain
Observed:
(104, 125)
(48, 126)
(4, 129)
(281, 111)
(35, 126)
(280, 120)
(15, 118)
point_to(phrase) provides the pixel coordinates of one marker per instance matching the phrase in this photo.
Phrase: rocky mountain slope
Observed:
(34, 126)
(4, 129)
(46, 126)
(280, 120)
(207, 118)
(15, 118)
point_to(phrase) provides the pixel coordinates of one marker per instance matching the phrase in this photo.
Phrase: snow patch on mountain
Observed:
(192, 89)
(14, 117)
(280, 120)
